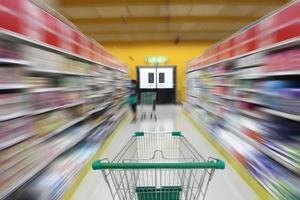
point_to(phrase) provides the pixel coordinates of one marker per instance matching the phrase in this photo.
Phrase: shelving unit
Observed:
(253, 95)
(49, 109)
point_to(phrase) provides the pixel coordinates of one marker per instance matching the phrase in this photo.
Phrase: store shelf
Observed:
(261, 75)
(209, 110)
(67, 125)
(56, 72)
(12, 61)
(249, 100)
(248, 65)
(227, 97)
(37, 112)
(192, 95)
(275, 156)
(76, 89)
(57, 89)
(267, 79)
(14, 141)
(280, 45)
(60, 129)
(45, 110)
(6, 34)
(110, 76)
(53, 67)
(97, 110)
(82, 173)
(14, 86)
(261, 92)
(53, 89)
(256, 184)
(216, 102)
(44, 164)
(221, 85)
(95, 96)
(223, 74)
(13, 115)
(281, 114)
(254, 114)
(253, 91)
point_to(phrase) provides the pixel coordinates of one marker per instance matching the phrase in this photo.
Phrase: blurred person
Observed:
(133, 99)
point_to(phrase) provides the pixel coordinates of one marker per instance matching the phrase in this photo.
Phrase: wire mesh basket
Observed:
(158, 166)
(148, 104)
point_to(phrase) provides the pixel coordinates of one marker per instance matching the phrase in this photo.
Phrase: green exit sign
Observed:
(156, 59)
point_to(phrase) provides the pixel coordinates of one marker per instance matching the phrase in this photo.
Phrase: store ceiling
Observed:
(163, 20)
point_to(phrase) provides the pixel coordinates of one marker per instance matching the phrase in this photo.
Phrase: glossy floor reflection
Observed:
(226, 184)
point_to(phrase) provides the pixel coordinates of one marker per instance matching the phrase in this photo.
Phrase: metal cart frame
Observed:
(148, 104)
(158, 166)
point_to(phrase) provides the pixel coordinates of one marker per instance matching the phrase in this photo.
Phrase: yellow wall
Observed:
(178, 54)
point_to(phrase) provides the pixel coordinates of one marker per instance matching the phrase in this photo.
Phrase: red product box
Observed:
(199, 61)
(205, 55)
(204, 62)
(94, 56)
(94, 49)
(11, 15)
(240, 43)
(288, 23)
(90, 47)
(288, 32)
(66, 37)
(266, 32)
(77, 42)
(51, 31)
(209, 59)
(214, 58)
(217, 57)
(282, 26)
(215, 51)
(225, 49)
(210, 51)
(35, 22)
(81, 45)
(99, 58)
(250, 38)
(85, 45)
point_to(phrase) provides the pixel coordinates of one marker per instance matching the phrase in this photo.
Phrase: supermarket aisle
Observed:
(226, 184)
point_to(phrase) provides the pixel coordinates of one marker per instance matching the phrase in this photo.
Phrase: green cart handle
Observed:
(217, 164)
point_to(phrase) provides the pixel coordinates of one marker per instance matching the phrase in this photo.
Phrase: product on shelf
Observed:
(72, 82)
(282, 61)
(10, 75)
(12, 104)
(15, 130)
(38, 82)
(58, 177)
(48, 122)
(8, 49)
(254, 115)
(48, 118)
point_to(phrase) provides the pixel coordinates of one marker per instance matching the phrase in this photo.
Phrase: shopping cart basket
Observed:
(158, 166)
(148, 104)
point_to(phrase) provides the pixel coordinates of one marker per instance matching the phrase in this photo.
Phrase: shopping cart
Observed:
(148, 105)
(158, 166)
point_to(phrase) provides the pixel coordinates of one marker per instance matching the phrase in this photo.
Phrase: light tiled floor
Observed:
(225, 185)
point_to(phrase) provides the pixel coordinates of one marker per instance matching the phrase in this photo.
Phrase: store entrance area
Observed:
(160, 80)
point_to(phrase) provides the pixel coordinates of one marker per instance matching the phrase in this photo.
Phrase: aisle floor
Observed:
(225, 185)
